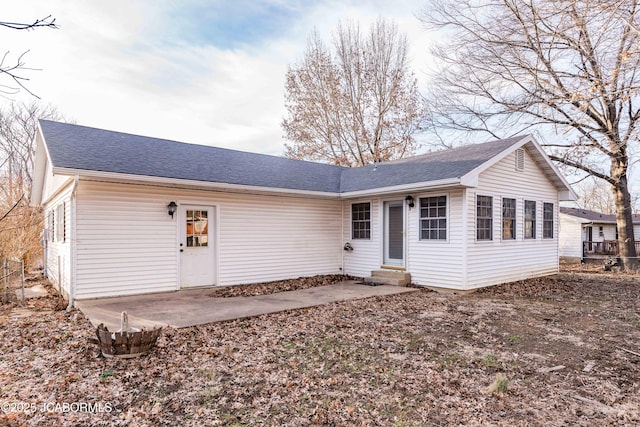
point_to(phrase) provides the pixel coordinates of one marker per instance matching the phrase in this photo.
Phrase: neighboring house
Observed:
(588, 234)
(460, 219)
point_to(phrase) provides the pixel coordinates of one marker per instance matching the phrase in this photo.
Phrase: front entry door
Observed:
(394, 233)
(197, 251)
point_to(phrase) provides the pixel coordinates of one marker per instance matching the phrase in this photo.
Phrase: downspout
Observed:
(72, 242)
(342, 235)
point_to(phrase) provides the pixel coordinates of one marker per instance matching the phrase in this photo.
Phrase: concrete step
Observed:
(392, 274)
(389, 277)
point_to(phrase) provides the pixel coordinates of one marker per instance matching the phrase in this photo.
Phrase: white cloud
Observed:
(124, 66)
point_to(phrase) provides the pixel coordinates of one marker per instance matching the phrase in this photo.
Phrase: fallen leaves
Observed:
(421, 358)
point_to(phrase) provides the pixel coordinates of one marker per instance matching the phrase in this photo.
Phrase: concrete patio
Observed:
(195, 307)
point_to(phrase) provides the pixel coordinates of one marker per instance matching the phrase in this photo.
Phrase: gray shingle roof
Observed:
(84, 148)
(436, 166)
(594, 216)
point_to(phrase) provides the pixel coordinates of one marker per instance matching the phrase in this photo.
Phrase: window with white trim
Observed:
(508, 219)
(484, 218)
(529, 219)
(51, 226)
(547, 220)
(60, 226)
(433, 218)
(361, 220)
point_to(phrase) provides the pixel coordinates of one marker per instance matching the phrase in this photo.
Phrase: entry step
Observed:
(389, 277)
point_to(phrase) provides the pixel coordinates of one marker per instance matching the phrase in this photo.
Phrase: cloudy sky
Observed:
(202, 71)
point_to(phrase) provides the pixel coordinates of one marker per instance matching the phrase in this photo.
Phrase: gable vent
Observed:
(520, 159)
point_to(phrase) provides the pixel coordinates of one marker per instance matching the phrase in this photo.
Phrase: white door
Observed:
(197, 251)
(394, 233)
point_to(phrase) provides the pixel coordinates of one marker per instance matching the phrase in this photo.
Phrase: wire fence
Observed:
(12, 281)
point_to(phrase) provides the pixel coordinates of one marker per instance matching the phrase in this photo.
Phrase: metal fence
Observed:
(12, 281)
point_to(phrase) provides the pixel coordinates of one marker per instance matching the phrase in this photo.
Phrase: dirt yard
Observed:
(557, 351)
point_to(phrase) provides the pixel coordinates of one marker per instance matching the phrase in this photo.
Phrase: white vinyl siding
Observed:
(437, 262)
(366, 254)
(128, 244)
(570, 237)
(57, 215)
(500, 261)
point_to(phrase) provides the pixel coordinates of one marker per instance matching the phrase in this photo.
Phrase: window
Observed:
(547, 220)
(361, 221)
(197, 228)
(484, 218)
(60, 226)
(508, 219)
(51, 226)
(433, 218)
(529, 219)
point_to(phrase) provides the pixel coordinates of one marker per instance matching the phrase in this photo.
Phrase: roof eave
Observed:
(418, 186)
(39, 168)
(565, 192)
(177, 182)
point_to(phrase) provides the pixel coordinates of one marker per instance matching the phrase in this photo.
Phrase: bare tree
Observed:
(13, 69)
(356, 104)
(595, 195)
(20, 223)
(567, 65)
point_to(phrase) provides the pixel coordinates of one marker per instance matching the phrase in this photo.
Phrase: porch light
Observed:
(171, 208)
(409, 200)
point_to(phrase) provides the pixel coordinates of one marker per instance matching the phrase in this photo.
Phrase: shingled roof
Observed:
(78, 148)
(593, 216)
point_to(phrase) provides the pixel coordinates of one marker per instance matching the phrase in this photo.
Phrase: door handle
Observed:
(181, 250)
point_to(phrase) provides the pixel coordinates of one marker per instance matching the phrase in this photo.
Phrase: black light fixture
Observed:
(409, 200)
(172, 208)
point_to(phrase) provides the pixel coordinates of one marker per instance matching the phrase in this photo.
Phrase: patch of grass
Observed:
(105, 375)
(499, 385)
(515, 338)
(490, 361)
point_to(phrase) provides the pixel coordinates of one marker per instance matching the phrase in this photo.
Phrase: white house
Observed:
(588, 234)
(459, 219)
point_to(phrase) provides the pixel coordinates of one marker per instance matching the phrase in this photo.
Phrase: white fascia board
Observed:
(566, 194)
(474, 175)
(429, 185)
(39, 169)
(175, 182)
(59, 190)
(574, 218)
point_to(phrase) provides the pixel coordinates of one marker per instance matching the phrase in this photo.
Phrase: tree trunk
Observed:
(624, 217)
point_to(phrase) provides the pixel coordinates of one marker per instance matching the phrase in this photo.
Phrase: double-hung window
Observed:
(508, 219)
(361, 220)
(61, 226)
(529, 219)
(433, 218)
(547, 220)
(484, 218)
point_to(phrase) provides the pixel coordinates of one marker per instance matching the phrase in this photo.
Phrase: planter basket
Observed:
(126, 342)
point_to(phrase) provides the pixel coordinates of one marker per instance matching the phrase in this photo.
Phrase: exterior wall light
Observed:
(409, 200)
(171, 208)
